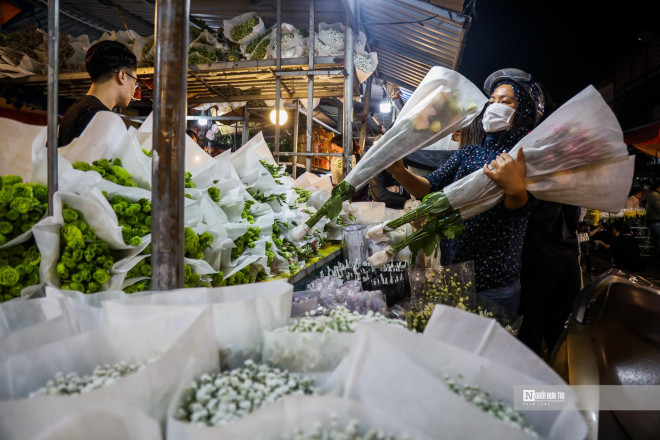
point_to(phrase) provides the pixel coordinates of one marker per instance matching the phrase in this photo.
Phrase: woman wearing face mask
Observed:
(493, 239)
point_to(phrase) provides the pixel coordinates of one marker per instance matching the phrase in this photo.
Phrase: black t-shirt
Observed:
(77, 117)
(551, 231)
(625, 252)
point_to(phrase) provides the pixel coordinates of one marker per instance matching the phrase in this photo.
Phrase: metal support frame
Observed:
(347, 138)
(278, 78)
(246, 119)
(294, 166)
(366, 98)
(310, 84)
(53, 64)
(168, 158)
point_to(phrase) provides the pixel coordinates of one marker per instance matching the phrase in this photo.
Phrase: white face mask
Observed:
(453, 145)
(497, 117)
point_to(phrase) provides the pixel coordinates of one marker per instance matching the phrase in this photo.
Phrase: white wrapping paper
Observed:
(240, 313)
(413, 368)
(170, 339)
(441, 88)
(105, 424)
(293, 413)
(592, 170)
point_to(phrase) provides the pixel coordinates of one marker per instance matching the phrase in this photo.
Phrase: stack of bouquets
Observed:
(21, 206)
(317, 343)
(444, 102)
(136, 365)
(446, 384)
(238, 212)
(576, 156)
(311, 418)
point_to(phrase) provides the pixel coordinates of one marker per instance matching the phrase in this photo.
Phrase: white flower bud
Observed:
(378, 233)
(380, 258)
(299, 232)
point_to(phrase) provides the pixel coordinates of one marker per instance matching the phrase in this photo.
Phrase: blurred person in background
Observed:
(635, 196)
(653, 214)
(623, 248)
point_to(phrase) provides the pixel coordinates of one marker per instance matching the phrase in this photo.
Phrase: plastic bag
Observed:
(432, 283)
(576, 156)
(421, 396)
(444, 102)
(169, 339)
(292, 414)
(228, 27)
(240, 313)
(105, 424)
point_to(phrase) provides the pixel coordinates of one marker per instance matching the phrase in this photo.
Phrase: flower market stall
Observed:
(150, 290)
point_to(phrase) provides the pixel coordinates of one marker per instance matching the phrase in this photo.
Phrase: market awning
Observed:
(645, 138)
(411, 36)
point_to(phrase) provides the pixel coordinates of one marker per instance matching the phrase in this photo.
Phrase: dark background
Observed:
(566, 45)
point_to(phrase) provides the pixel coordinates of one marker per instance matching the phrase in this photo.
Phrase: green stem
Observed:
(434, 204)
(332, 207)
(428, 231)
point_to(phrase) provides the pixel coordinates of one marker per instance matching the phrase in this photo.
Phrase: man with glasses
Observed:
(112, 67)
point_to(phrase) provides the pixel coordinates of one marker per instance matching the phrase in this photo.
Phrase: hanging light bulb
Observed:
(202, 122)
(283, 117)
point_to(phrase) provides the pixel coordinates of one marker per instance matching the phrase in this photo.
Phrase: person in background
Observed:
(624, 248)
(550, 274)
(653, 214)
(384, 188)
(493, 239)
(193, 135)
(112, 67)
(635, 197)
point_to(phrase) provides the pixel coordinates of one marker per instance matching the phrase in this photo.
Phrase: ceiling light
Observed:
(385, 107)
(202, 122)
(283, 117)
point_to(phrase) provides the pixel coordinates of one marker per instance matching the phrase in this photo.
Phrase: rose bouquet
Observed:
(576, 156)
(444, 102)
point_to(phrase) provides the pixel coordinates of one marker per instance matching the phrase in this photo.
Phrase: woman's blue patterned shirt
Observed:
(493, 239)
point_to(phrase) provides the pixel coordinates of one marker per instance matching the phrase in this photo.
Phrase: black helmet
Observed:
(524, 79)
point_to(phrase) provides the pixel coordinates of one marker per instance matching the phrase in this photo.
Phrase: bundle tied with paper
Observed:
(444, 102)
(576, 156)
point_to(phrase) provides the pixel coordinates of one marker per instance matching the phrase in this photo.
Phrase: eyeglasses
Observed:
(137, 81)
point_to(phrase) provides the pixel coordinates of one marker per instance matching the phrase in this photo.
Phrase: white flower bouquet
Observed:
(576, 156)
(172, 340)
(444, 102)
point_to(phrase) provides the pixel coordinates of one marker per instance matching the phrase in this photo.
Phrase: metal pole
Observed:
(278, 79)
(294, 167)
(365, 113)
(246, 118)
(347, 139)
(310, 85)
(53, 64)
(169, 144)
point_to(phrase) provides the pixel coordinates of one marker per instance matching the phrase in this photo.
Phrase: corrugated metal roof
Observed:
(410, 37)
